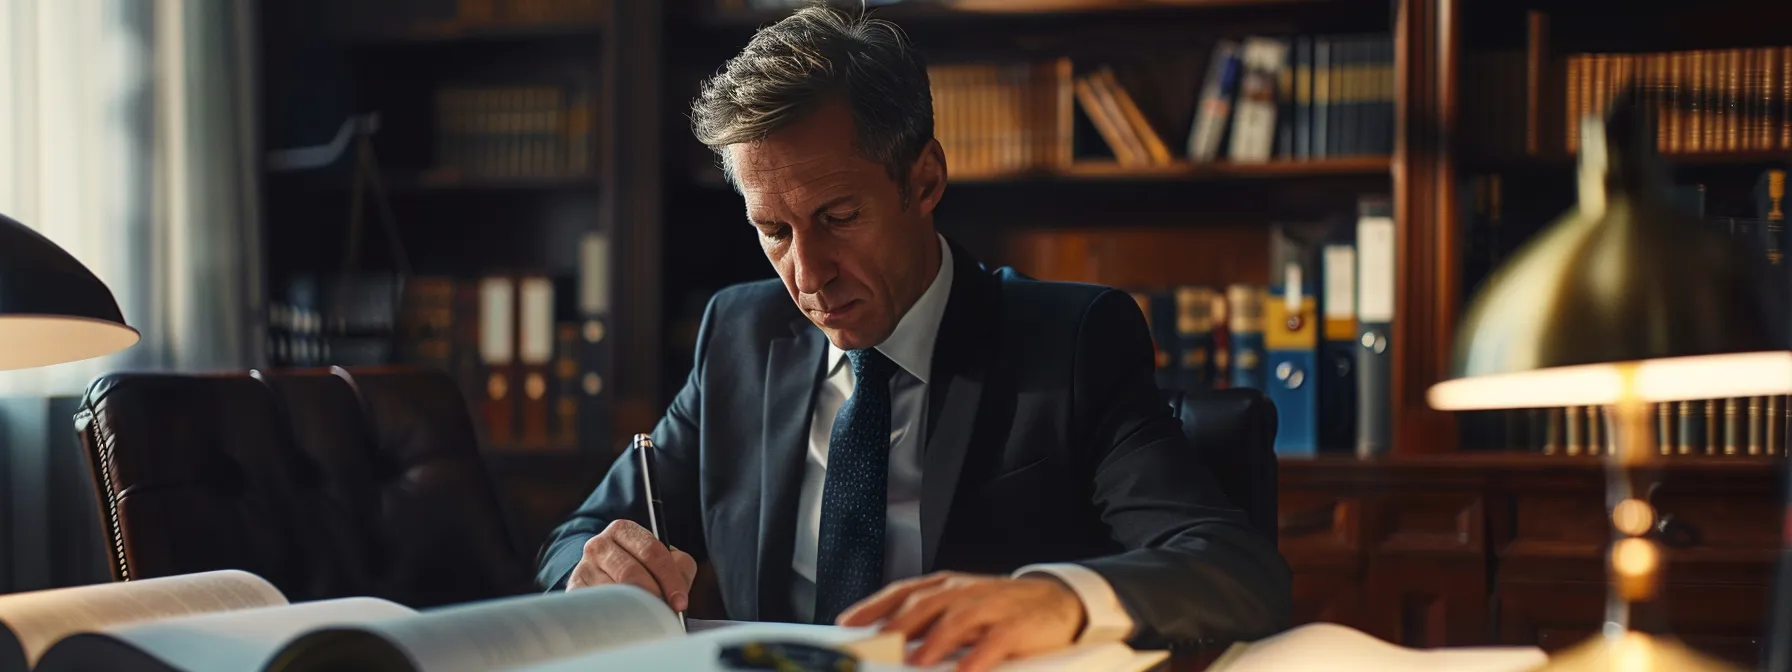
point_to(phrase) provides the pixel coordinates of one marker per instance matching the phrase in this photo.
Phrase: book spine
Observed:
(594, 313)
(497, 356)
(1215, 108)
(1303, 97)
(535, 354)
(1244, 310)
(1254, 124)
(1322, 97)
(1337, 376)
(1194, 338)
(1375, 316)
(1290, 344)
(1163, 325)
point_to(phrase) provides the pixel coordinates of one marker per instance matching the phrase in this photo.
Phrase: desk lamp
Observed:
(52, 309)
(1624, 301)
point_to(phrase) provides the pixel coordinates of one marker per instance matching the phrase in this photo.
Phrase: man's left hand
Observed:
(999, 617)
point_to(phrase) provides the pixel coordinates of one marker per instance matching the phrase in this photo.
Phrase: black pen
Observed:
(643, 444)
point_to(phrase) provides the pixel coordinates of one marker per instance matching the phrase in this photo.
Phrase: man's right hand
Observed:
(625, 552)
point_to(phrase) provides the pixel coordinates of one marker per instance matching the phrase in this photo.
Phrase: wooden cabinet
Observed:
(1469, 550)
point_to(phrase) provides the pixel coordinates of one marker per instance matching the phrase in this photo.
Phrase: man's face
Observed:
(834, 226)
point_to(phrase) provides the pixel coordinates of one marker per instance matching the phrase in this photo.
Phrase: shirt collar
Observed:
(910, 346)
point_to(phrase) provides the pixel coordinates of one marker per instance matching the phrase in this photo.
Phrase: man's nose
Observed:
(812, 258)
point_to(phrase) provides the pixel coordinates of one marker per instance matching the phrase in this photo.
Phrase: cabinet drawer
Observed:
(1745, 521)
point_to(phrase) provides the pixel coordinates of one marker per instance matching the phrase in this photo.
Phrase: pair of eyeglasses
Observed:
(787, 657)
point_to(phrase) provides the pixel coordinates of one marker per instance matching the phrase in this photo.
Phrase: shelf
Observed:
(984, 9)
(1181, 171)
(1335, 464)
(1562, 161)
(448, 181)
(1224, 170)
(453, 32)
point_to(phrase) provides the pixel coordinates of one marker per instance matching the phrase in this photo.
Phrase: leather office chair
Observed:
(327, 483)
(1235, 430)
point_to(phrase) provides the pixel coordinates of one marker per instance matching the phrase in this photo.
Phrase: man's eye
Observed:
(775, 233)
(840, 217)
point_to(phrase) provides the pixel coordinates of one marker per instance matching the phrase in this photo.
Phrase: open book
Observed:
(230, 620)
(1336, 648)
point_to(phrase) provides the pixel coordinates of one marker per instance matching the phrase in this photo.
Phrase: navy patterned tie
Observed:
(850, 555)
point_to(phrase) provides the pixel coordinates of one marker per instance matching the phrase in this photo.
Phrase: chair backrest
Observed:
(1235, 430)
(329, 483)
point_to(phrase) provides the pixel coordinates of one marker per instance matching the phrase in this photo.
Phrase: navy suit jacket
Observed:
(1047, 440)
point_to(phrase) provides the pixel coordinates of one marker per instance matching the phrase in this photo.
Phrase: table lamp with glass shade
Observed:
(1623, 302)
(52, 309)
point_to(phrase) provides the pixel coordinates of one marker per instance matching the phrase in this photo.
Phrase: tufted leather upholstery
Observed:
(1235, 430)
(327, 483)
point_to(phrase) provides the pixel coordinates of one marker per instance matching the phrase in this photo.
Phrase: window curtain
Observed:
(127, 137)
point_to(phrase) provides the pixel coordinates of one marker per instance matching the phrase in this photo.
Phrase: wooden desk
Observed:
(1509, 549)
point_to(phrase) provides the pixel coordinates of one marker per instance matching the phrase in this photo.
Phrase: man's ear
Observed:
(927, 178)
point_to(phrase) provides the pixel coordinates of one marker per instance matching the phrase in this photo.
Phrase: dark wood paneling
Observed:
(1463, 550)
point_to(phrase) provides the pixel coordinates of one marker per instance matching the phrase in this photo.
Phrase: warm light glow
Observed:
(1668, 379)
(1634, 557)
(1633, 516)
(1635, 653)
(28, 341)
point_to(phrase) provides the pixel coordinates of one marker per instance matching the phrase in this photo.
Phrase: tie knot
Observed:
(870, 366)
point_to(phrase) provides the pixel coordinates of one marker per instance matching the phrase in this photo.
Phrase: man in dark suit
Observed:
(893, 432)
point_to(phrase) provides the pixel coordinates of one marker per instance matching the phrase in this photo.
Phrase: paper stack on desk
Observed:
(1336, 648)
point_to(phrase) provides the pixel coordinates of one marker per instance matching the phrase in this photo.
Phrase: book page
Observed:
(217, 642)
(1101, 657)
(39, 618)
(1342, 649)
(702, 651)
(504, 632)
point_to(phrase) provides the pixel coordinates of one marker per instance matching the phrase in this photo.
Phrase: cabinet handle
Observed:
(1676, 533)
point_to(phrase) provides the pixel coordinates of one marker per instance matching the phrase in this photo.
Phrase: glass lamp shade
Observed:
(52, 309)
(1624, 278)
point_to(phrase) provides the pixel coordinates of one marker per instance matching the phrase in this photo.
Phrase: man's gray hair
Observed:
(812, 56)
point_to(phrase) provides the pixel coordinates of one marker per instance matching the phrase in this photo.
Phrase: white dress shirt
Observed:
(910, 346)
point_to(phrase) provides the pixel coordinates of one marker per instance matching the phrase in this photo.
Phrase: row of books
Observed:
(1730, 427)
(1739, 426)
(1305, 97)
(515, 131)
(1264, 98)
(1711, 100)
(531, 367)
(1316, 338)
(526, 370)
(999, 118)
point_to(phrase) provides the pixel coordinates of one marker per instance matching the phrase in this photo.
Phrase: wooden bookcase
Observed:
(517, 197)
(1450, 539)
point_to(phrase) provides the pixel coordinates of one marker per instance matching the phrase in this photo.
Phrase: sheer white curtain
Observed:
(125, 138)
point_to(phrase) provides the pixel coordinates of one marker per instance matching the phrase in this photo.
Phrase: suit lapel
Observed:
(793, 369)
(961, 356)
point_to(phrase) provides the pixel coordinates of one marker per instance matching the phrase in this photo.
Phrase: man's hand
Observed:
(999, 617)
(625, 552)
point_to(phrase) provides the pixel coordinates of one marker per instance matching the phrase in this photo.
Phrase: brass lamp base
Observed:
(1635, 651)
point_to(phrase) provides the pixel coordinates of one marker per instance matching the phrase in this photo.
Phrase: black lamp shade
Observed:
(52, 309)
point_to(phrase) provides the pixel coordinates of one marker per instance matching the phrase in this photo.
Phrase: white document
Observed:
(1336, 648)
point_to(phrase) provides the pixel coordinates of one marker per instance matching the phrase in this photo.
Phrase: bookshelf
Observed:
(1721, 83)
(1450, 538)
(510, 231)
(1066, 128)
